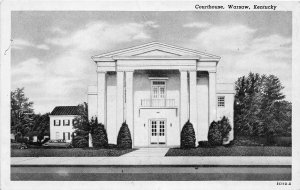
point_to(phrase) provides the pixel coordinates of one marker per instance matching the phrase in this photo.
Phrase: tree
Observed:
(258, 104)
(41, 125)
(22, 114)
(82, 127)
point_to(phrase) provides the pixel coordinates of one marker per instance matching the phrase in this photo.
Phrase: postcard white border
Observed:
(66, 5)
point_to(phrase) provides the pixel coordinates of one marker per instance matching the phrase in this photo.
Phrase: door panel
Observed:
(153, 128)
(158, 131)
(162, 135)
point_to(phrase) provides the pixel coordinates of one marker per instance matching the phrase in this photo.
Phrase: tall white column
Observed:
(212, 97)
(129, 101)
(101, 101)
(193, 101)
(120, 99)
(183, 98)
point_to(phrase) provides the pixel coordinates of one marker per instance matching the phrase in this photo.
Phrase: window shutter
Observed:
(64, 135)
(69, 136)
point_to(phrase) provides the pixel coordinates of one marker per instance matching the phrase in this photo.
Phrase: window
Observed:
(66, 136)
(158, 89)
(221, 101)
(56, 122)
(66, 122)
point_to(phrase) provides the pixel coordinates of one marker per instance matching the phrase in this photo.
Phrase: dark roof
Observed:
(65, 110)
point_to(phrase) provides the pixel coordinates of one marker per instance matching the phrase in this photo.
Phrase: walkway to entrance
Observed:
(147, 152)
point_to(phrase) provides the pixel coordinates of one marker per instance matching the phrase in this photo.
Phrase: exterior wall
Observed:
(227, 110)
(111, 127)
(142, 90)
(142, 127)
(61, 128)
(202, 101)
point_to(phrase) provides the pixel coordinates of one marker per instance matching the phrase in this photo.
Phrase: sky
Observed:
(51, 50)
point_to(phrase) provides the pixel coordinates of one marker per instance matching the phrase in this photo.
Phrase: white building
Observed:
(156, 88)
(61, 122)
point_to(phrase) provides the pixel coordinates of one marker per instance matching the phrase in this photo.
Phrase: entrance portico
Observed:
(154, 87)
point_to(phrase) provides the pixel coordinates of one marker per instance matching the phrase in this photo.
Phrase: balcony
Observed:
(158, 103)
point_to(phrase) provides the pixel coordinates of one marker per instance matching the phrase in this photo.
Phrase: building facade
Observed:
(61, 122)
(156, 88)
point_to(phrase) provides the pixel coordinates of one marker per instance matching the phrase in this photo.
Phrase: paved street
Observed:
(153, 160)
(145, 173)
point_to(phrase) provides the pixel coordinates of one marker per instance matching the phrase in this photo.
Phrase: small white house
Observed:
(156, 88)
(61, 122)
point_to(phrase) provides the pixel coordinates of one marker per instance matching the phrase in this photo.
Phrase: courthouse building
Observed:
(156, 88)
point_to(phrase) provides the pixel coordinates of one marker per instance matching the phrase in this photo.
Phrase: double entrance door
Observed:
(157, 132)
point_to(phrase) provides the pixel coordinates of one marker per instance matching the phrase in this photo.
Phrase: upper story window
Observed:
(221, 101)
(158, 89)
(66, 122)
(56, 122)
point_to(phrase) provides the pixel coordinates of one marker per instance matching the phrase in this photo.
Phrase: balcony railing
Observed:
(158, 103)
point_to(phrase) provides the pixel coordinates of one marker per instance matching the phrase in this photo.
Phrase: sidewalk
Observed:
(151, 161)
(147, 152)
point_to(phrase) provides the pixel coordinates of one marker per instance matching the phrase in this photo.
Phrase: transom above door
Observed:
(157, 131)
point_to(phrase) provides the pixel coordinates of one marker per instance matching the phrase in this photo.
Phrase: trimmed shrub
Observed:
(124, 137)
(187, 136)
(218, 133)
(99, 136)
(79, 142)
(215, 137)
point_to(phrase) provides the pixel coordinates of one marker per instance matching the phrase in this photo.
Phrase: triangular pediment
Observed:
(155, 49)
(157, 52)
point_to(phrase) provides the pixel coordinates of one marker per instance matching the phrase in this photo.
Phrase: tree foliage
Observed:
(218, 131)
(187, 136)
(259, 105)
(82, 127)
(22, 115)
(41, 125)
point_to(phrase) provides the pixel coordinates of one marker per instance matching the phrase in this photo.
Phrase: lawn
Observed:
(72, 152)
(233, 151)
